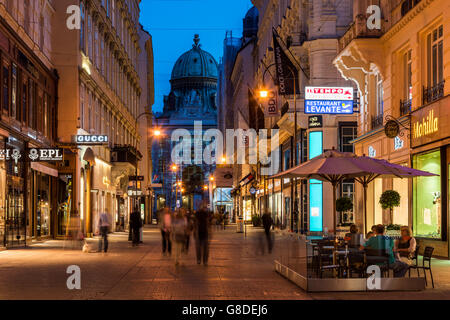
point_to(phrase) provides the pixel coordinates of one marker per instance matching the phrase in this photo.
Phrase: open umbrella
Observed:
(334, 166)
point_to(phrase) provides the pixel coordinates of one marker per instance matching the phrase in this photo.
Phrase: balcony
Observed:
(431, 94)
(377, 121)
(125, 153)
(405, 107)
(358, 30)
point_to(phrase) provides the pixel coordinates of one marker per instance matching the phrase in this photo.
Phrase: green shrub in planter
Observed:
(256, 220)
(343, 204)
(388, 200)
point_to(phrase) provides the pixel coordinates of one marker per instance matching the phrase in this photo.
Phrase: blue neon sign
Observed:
(315, 186)
(328, 107)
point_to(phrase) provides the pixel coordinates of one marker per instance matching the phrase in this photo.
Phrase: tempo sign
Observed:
(91, 139)
(329, 100)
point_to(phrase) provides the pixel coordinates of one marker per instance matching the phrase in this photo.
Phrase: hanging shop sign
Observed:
(398, 143)
(91, 139)
(252, 190)
(329, 100)
(315, 122)
(392, 129)
(372, 152)
(271, 105)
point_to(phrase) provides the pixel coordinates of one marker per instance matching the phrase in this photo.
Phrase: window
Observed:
(89, 34)
(407, 72)
(379, 83)
(347, 134)
(24, 99)
(41, 32)
(435, 66)
(82, 26)
(14, 91)
(287, 160)
(5, 84)
(31, 104)
(428, 206)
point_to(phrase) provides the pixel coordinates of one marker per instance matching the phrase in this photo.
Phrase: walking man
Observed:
(267, 224)
(103, 225)
(202, 234)
(135, 226)
(165, 221)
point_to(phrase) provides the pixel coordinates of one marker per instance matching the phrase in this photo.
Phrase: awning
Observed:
(44, 169)
(89, 156)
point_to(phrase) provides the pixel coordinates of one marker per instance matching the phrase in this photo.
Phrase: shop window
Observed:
(65, 186)
(5, 85)
(14, 91)
(287, 159)
(427, 211)
(347, 134)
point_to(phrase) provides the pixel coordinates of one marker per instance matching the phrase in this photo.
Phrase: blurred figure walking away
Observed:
(189, 229)
(202, 234)
(135, 226)
(103, 225)
(179, 227)
(267, 224)
(165, 222)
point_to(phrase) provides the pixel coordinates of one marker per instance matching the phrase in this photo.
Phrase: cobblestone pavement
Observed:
(237, 270)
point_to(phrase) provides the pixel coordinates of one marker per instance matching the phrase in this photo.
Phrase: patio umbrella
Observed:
(334, 166)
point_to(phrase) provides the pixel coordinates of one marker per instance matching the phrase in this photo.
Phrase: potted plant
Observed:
(343, 204)
(388, 200)
(256, 220)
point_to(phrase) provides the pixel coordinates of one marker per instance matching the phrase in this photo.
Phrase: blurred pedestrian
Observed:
(103, 226)
(189, 229)
(202, 234)
(165, 222)
(179, 227)
(267, 224)
(135, 226)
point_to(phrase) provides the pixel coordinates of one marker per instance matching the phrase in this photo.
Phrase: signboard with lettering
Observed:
(32, 155)
(431, 123)
(91, 139)
(315, 122)
(329, 100)
(271, 107)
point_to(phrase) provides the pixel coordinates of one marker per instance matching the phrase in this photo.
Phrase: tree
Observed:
(388, 200)
(343, 204)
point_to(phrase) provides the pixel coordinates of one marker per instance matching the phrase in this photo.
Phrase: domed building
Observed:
(192, 100)
(193, 86)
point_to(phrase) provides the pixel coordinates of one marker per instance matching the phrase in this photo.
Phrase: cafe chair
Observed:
(427, 254)
(378, 257)
(415, 265)
(325, 260)
(356, 264)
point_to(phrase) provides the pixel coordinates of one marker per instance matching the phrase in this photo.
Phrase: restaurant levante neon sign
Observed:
(428, 126)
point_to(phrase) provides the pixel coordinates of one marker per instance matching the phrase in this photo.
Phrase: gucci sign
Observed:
(91, 139)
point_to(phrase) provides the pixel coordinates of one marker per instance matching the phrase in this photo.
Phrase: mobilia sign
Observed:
(431, 123)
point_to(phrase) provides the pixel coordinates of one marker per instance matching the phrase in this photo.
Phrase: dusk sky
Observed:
(173, 23)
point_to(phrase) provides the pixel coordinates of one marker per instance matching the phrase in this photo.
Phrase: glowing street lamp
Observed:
(205, 187)
(211, 178)
(224, 160)
(263, 93)
(157, 133)
(174, 168)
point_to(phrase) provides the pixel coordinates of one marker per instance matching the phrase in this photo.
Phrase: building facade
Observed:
(27, 121)
(189, 111)
(309, 31)
(402, 74)
(100, 96)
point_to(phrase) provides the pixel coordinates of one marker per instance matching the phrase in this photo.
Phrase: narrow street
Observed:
(237, 270)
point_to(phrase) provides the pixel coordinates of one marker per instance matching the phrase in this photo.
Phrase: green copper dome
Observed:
(196, 63)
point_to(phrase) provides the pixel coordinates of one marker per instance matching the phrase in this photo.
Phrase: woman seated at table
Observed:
(353, 238)
(405, 247)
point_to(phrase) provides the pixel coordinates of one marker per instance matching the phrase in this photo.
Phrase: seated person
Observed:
(353, 238)
(405, 247)
(382, 242)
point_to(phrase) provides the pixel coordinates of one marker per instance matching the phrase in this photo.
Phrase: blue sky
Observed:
(173, 23)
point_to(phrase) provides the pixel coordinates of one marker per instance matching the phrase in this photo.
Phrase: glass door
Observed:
(15, 214)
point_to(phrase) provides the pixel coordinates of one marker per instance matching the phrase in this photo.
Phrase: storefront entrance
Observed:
(65, 197)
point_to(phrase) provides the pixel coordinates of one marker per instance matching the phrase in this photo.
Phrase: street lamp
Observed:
(263, 93)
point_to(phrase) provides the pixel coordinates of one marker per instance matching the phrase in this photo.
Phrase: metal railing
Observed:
(433, 93)
(377, 121)
(405, 107)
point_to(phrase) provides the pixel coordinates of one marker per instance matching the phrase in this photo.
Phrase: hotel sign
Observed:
(431, 123)
(91, 139)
